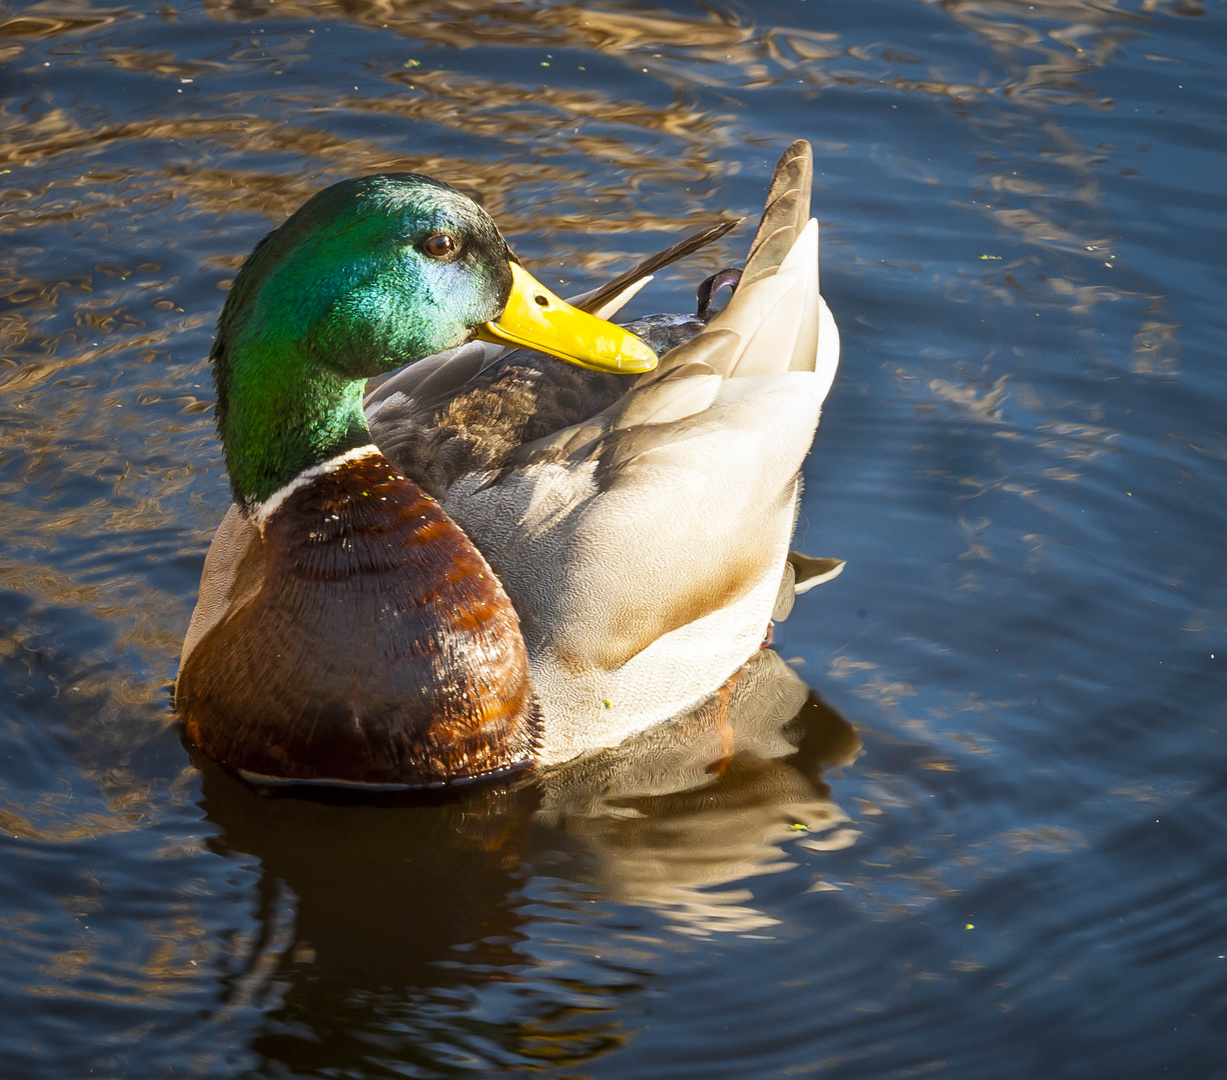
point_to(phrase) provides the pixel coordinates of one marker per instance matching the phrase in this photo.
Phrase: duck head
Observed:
(369, 275)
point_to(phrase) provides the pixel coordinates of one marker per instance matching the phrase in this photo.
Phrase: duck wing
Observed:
(644, 546)
(466, 410)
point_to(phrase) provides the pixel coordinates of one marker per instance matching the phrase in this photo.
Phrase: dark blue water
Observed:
(1012, 773)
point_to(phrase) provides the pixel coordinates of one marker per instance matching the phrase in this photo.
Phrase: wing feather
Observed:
(600, 301)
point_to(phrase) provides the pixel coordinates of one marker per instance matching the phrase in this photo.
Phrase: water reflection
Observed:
(362, 909)
(385, 926)
(681, 811)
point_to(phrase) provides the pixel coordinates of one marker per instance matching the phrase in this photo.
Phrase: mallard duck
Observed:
(497, 558)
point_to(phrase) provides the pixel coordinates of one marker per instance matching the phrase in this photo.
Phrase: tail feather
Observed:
(774, 320)
(785, 214)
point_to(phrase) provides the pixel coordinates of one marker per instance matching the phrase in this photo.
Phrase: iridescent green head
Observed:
(368, 275)
(347, 288)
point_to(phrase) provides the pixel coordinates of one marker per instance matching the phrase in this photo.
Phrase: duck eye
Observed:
(439, 245)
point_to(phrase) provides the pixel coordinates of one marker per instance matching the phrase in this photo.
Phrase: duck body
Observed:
(519, 560)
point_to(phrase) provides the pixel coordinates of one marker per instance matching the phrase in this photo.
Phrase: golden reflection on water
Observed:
(476, 107)
(1089, 33)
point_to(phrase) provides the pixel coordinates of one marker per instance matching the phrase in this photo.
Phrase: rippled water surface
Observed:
(990, 844)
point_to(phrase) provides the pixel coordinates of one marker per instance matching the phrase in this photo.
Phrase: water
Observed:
(1011, 770)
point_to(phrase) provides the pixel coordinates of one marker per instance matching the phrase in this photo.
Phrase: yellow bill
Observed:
(535, 318)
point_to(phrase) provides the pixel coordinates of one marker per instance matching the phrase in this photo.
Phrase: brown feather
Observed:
(380, 647)
(785, 213)
(593, 301)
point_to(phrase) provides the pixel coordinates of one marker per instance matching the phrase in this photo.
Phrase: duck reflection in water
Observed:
(378, 923)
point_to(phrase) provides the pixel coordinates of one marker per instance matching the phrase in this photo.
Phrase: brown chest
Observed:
(380, 647)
